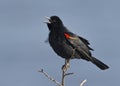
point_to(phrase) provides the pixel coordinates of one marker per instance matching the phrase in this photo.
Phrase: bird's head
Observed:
(53, 22)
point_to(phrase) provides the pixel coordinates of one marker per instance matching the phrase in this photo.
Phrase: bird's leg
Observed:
(73, 53)
(66, 65)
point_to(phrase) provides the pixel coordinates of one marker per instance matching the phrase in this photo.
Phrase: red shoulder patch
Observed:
(67, 35)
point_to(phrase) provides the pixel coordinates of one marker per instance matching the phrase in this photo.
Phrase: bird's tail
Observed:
(99, 64)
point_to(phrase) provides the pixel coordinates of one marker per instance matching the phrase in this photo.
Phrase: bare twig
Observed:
(83, 82)
(49, 77)
(68, 74)
(63, 77)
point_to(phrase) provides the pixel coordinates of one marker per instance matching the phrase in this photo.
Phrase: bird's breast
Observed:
(60, 46)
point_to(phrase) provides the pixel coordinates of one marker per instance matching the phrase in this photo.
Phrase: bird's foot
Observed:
(65, 67)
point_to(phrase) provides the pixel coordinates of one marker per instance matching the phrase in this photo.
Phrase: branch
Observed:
(64, 74)
(83, 82)
(49, 77)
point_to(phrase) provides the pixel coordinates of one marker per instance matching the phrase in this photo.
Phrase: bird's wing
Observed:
(79, 44)
(86, 42)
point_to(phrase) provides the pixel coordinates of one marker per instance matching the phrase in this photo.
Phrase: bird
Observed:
(69, 45)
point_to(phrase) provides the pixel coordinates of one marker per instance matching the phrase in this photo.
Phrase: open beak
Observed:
(48, 20)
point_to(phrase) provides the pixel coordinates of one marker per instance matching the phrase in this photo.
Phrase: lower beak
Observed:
(47, 21)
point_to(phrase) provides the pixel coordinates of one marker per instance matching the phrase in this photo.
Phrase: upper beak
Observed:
(48, 20)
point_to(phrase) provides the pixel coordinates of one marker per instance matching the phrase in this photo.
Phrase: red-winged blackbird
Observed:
(69, 45)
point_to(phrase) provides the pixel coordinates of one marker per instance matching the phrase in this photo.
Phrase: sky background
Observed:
(23, 50)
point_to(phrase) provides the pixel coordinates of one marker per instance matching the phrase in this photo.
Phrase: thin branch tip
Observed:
(83, 82)
(49, 77)
(41, 70)
(69, 74)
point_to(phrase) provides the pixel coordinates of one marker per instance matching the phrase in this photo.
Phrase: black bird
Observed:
(69, 45)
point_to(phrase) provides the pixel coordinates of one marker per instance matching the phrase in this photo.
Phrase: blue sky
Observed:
(23, 50)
